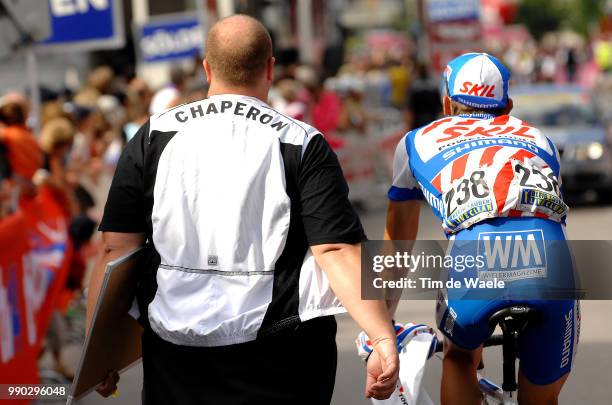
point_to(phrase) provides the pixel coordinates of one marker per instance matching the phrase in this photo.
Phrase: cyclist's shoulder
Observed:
(439, 124)
(409, 137)
(516, 122)
(410, 134)
(526, 129)
(409, 140)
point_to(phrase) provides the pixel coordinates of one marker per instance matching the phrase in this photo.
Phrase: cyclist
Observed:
(490, 177)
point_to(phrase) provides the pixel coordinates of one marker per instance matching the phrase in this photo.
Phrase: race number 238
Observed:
(468, 188)
(541, 178)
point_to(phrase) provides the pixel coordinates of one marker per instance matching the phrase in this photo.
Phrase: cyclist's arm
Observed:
(115, 245)
(402, 224)
(402, 220)
(404, 205)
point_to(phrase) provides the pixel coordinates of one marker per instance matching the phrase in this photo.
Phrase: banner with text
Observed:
(85, 25)
(169, 38)
(35, 254)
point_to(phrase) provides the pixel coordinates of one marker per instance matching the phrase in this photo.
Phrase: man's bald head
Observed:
(238, 49)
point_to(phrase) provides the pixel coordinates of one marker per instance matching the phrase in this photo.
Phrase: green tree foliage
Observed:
(542, 16)
(583, 15)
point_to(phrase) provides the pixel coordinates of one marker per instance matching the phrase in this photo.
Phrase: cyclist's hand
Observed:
(382, 370)
(109, 385)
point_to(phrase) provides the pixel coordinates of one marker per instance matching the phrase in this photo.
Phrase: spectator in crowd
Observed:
(423, 99)
(90, 141)
(326, 107)
(56, 141)
(101, 79)
(21, 149)
(138, 99)
(353, 117)
(286, 100)
(53, 109)
(170, 95)
(399, 76)
(571, 64)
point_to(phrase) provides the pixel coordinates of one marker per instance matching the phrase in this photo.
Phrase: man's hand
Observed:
(109, 385)
(342, 264)
(382, 370)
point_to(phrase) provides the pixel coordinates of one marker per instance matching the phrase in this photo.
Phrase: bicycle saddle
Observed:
(514, 318)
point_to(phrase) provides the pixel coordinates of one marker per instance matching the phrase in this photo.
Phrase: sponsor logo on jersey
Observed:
(468, 146)
(535, 198)
(513, 255)
(472, 210)
(402, 397)
(567, 339)
(478, 141)
(433, 201)
(457, 131)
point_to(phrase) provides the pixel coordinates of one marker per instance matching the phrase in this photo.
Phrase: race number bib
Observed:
(469, 200)
(532, 189)
(538, 190)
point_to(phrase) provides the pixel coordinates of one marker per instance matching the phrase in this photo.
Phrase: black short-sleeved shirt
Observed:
(231, 193)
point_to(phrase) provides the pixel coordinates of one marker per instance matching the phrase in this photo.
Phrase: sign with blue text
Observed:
(169, 38)
(452, 10)
(85, 25)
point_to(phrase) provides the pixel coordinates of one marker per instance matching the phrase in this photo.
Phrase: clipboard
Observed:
(113, 341)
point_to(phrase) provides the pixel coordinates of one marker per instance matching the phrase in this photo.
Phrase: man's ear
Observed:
(270, 69)
(446, 106)
(207, 70)
(509, 106)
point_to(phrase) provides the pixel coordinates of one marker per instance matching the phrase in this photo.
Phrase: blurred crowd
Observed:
(559, 58)
(357, 99)
(392, 77)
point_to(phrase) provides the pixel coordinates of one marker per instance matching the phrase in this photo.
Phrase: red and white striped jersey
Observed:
(473, 167)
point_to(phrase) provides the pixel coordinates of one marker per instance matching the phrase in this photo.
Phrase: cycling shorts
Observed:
(531, 256)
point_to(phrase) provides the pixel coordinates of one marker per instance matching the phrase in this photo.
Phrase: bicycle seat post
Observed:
(509, 350)
(512, 320)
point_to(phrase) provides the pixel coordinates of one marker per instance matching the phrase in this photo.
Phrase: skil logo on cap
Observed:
(478, 80)
(476, 89)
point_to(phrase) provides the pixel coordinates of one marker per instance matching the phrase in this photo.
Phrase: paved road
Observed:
(590, 379)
